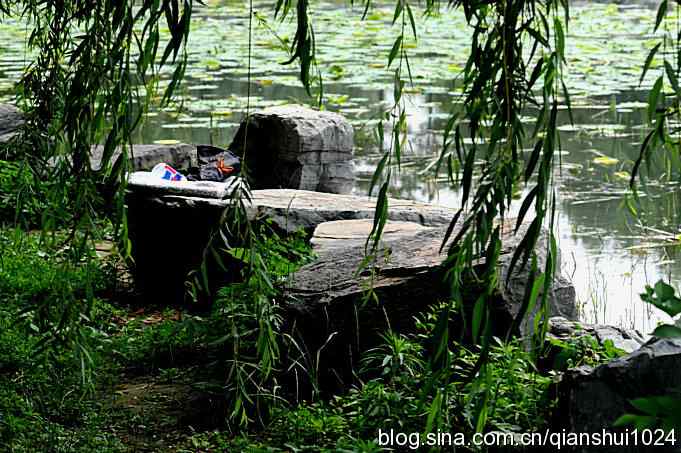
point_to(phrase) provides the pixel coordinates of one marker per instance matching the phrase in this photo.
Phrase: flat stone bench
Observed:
(171, 222)
(289, 209)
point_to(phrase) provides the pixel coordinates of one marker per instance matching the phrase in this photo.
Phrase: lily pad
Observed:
(605, 161)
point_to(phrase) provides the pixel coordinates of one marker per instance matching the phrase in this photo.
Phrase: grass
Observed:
(157, 373)
(160, 373)
(44, 405)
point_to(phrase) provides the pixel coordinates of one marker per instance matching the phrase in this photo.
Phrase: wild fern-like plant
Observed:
(398, 356)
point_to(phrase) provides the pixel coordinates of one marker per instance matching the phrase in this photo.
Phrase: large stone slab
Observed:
(327, 304)
(298, 148)
(337, 235)
(591, 399)
(289, 209)
(171, 222)
(11, 119)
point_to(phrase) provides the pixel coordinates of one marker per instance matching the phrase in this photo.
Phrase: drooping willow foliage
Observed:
(95, 69)
(515, 65)
(517, 51)
(663, 113)
(92, 70)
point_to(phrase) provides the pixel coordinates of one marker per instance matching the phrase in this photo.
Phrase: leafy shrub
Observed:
(395, 397)
(517, 394)
(42, 407)
(583, 350)
(20, 201)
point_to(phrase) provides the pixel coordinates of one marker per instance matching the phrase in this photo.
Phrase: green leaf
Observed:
(560, 38)
(479, 311)
(663, 297)
(380, 215)
(661, 12)
(649, 60)
(534, 158)
(525, 207)
(634, 420)
(398, 10)
(435, 409)
(378, 172)
(468, 174)
(671, 76)
(667, 331)
(653, 97)
(411, 19)
(395, 50)
(649, 406)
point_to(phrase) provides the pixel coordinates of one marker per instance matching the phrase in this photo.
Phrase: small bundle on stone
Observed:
(215, 164)
(293, 147)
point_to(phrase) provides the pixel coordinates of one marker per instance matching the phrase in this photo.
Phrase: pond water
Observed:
(609, 255)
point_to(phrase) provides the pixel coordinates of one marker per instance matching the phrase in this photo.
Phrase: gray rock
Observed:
(171, 222)
(627, 340)
(11, 119)
(591, 399)
(290, 210)
(145, 157)
(512, 291)
(326, 301)
(298, 148)
(336, 235)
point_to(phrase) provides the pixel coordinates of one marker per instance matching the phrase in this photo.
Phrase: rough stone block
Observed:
(326, 303)
(591, 399)
(297, 148)
(145, 157)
